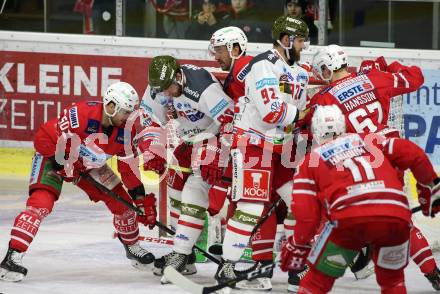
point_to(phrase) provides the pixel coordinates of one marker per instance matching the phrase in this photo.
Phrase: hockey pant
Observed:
(338, 245)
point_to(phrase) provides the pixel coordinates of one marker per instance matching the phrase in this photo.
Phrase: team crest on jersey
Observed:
(120, 136)
(92, 126)
(243, 72)
(73, 114)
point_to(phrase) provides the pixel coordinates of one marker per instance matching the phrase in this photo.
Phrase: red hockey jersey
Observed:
(96, 145)
(234, 82)
(355, 176)
(364, 98)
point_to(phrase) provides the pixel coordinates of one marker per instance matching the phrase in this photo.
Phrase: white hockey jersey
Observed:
(199, 109)
(275, 93)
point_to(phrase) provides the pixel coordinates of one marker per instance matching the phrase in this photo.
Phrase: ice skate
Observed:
(258, 284)
(140, 258)
(434, 278)
(11, 268)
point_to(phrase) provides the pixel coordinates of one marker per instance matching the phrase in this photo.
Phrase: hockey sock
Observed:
(420, 251)
(239, 229)
(27, 223)
(263, 240)
(127, 227)
(289, 223)
(189, 227)
(174, 205)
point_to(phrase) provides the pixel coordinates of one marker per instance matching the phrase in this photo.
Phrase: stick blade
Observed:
(181, 281)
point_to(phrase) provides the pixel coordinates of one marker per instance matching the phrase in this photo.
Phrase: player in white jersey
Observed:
(275, 94)
(201, 111)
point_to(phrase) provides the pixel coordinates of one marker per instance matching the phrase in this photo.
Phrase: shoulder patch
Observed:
(73, 115)
(120, 136)
(268, 55)
(243, 72)
(92, 126)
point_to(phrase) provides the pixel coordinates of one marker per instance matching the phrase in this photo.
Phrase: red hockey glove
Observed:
(212, 171)
(217, 196)
(293, 256)
(379, 64)
(70, 173)
(429, 197)
(154, 162)
(148, 206)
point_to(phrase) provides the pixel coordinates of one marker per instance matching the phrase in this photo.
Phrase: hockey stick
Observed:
(186, 284)
(160, 240)
(160, 225)
(188, 170)
(217, 249)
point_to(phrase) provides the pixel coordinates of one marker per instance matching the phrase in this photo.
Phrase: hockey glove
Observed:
(379, 64)
(217, 196)
(429, 197)
(69, 173)
(212, 171)
(293, 256)
(148, 207)
(153, 162)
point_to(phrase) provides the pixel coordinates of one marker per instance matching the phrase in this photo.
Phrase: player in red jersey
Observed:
(352, 179)
(364, 98)
(80, 141)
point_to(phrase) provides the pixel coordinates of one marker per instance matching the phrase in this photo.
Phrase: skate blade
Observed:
(292, 288)
(226, 290)
(9, 276)
(157, 271)
(140, 266)
(190, 269)
(164, 281)
(259, 284)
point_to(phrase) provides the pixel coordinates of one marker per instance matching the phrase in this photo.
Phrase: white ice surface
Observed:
(74, 253)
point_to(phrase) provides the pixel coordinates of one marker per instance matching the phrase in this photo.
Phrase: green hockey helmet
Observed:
(162, 72)
(291, 26)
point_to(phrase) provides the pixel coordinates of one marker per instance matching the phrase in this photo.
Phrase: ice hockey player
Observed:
(275, 95)
(228, 46)
(364, 99)
(352, 179)
(203, 112)
(70, 145)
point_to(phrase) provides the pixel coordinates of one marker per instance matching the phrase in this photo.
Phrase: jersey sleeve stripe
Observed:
(404, 79)
(303, 180)
(302, 191)
(391, 146)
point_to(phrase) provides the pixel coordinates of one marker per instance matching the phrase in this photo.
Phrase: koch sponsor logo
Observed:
(259, 187)
(73, 114)
(266, 82)
(256, 178)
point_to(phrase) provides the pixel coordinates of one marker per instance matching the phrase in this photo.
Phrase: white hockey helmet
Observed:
(123, 95)
(229, 36)
(327, 120)
(332, 57)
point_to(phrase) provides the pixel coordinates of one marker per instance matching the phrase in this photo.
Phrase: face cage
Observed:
(211, 50)
(319, 72)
